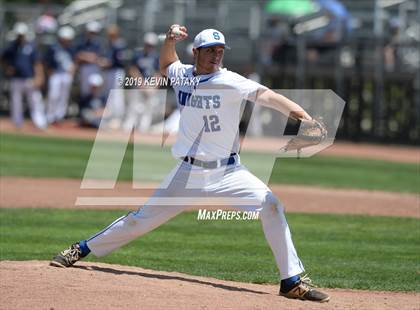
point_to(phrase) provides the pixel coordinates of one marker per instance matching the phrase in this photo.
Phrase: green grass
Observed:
(341, 172)
(358, 252)
(67, 158)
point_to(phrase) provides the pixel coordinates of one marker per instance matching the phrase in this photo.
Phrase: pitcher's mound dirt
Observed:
(36, 285)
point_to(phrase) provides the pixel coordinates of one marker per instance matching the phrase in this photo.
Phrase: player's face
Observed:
(209, 59)
(21, 38)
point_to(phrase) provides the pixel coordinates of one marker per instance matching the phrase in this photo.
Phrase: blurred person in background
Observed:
(334, 34)
(401, 51)
(145, 64)
(339, 26)
(87, 54)
(60, 69)
(46, 23)
(392, 40)
(170, 125)
(113, 64)
(92, 105)
(329, 35)
(46, 27)
(24, 68)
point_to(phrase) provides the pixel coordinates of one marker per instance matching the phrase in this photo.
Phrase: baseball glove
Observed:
(311, 132)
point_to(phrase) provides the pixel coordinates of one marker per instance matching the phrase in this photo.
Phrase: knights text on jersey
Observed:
(210, 111)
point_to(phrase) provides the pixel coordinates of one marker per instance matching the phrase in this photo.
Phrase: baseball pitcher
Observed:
(209, 165)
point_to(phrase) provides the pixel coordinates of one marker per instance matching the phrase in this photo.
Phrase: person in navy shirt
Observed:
(92, 105)
(87, 56)
(23, 67)
(113, 64)
(60, 68)
(146, 62)
(143, 103)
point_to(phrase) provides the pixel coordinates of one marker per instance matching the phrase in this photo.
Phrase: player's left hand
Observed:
(311, 132)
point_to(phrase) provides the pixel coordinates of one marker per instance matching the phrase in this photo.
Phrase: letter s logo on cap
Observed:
(216, 35)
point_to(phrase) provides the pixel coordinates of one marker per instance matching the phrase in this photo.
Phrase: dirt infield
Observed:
(62, 193)
(70, 129)
(35, 285)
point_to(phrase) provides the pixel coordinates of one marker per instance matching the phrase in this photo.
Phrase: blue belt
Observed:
(211, 164)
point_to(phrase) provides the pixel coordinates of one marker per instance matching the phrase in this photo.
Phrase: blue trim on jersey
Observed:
(209, 78)
(205, 80)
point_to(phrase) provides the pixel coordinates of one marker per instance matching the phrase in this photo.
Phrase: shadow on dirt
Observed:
(167, 277)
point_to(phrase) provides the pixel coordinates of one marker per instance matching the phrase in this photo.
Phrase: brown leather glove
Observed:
(311, 132)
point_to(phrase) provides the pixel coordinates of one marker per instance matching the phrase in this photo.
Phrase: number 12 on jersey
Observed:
(211, 123)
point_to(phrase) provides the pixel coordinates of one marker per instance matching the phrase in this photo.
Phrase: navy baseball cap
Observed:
(209, 37)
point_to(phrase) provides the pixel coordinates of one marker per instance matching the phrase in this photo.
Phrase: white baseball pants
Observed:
(18, 88)
(59, 86)
(235, 184)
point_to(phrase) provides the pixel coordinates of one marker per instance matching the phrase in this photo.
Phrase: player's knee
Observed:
(271, 205)
(134, 224)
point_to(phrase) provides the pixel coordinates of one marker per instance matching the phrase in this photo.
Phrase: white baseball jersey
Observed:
(210, 111)
(210, 114)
